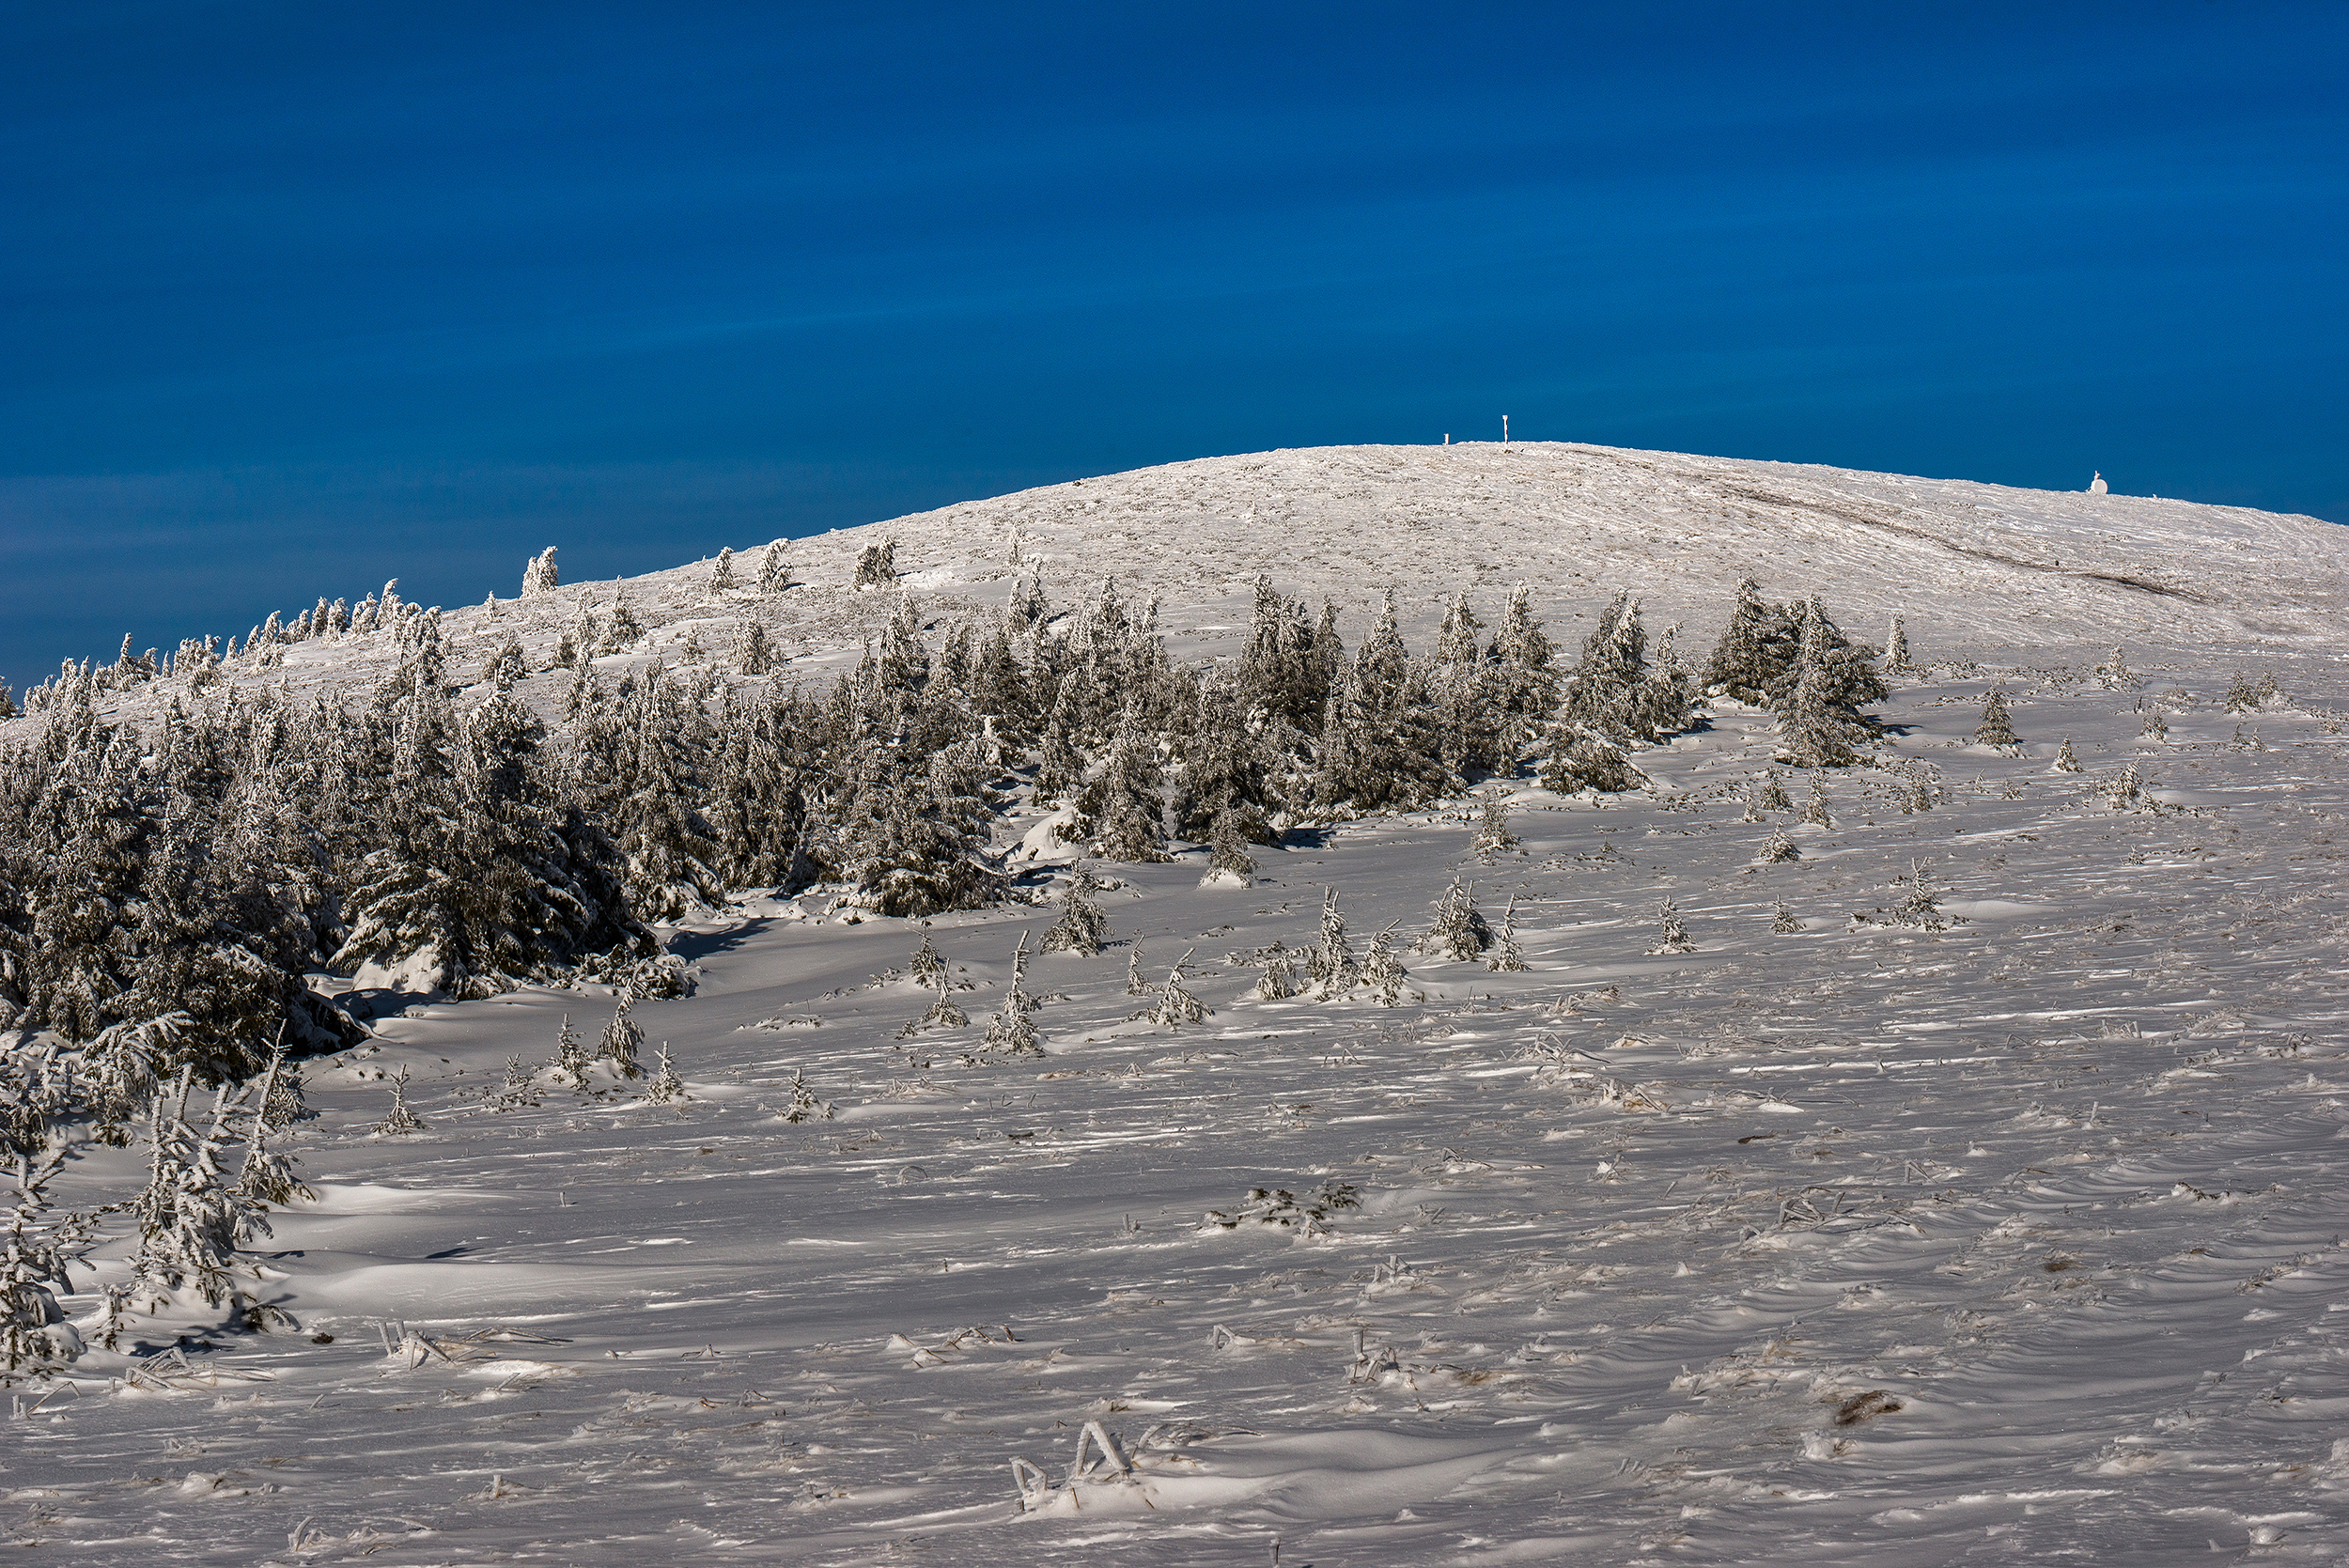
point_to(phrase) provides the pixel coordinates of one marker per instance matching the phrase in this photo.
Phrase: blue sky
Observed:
(301, 296)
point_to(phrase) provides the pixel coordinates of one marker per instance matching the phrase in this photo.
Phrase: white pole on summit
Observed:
(1504, 432)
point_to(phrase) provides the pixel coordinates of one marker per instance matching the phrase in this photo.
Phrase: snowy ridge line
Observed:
(1979, 569)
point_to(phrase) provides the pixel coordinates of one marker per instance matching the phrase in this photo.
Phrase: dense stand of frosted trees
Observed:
(429, 835)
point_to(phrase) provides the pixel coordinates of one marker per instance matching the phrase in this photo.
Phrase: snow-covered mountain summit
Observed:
(1976, 569)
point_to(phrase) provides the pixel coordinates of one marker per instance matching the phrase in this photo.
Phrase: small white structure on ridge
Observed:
(2096, 485)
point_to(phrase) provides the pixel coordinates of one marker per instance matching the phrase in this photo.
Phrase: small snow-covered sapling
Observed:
(1505, 958)
(1675, 929)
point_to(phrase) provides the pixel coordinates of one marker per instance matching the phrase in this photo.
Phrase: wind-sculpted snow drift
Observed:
(1739, 1098)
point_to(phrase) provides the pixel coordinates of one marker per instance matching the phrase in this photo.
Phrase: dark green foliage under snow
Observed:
(179, 878)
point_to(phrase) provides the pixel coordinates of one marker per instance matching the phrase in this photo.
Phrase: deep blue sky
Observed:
(301, 296)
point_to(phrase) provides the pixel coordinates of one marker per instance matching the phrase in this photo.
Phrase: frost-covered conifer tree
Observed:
(1176, 1006)
(1082, 928)
(926, 968)
(1919, 906)
(1785, 923)
(1492, 827)
(1127, 804)
(1674, 930)
(941, 1014)
(1755, 650)
(2067, 761)
(265, 1178)
(1780, 848)
(1278, 981)
(622, 1039)
(665, 1087)
(1602, 692)
(876, 566)
(1012, 1031)
(1460, 931)
(507, 666)
(570, 1061)
(753, 654)
(1996, 728)
(35, 1259)
(623, 630)
(721, 571)
(1506, 958)
(1332, 962)
(1382, 970)
(1226, 856)
(1815, 812)
(539, 577)
(1896, 649)
(1580, 758)
(187, 1217)
(400, 1121)
(773, 575)
(804, 1106)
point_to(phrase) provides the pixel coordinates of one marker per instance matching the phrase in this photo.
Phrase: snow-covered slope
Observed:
(1976, 569)
(1858, 1242)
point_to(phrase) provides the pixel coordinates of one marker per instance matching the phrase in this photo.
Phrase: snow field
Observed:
(1854, 1244)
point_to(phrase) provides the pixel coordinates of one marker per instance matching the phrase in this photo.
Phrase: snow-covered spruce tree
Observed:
(941, 1014)
(621, 1040)
(1476, 734)
(539, 577)
(1279, 677)
(759, 810)
(1175, 1006)
(1332, 962)
(187, 1217)
(265, 1178)
(1815, 812)
(1506, 958)
(34, 1258)
(622, 630)
(774, 576)
(1673, 929)
(926, 968)
(2124, 789)
(1580, 758)
(1919, 907)
(876, 566)
(1226, 856)
(2116, 673)
(721, 572)
(2067, 761)
(506, 667)
(1524, 685)
(1060, 766)
(1135, 985)
(2156, 728)
(914, 847)
(1818, 700)
(1996, 728)
(1082, 928)
(1602, 690)
(1896, 649)
(1012, 1029)
(665, 1088)
(804, 1106)
(571, 1061)
(1382, 970)
(670, 851)
(1755, 650)
(1780, 848)
(399, 1121)
(1769, 794)
(1379, 746)
(1784, 923)
(1460, 931)
(1279, 981)
(1222, 768)
(1127, 802)
(753, 654)
(1492, 827)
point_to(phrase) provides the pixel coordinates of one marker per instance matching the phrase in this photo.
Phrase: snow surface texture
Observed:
(1867, 1242)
